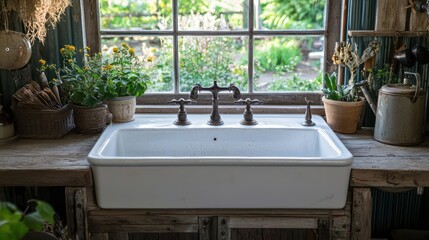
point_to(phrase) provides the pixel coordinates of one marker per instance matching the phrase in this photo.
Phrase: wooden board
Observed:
(391, 15)
(56, 162)
(419, 21)
(361, 214)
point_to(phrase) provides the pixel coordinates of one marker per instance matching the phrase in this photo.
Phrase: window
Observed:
(266, 47)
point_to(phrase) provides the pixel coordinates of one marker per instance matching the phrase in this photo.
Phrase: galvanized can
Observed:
(400, 114)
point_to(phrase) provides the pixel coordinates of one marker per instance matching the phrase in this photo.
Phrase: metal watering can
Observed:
(399, 112)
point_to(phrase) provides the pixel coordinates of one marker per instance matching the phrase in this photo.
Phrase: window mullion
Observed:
(250, 47)
(176, 88)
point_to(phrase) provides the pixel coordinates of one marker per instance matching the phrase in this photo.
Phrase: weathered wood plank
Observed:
(333, 26)
(392, 178)
(72, 176)
(143, 228)
(391, 15)
(118, 236)
(323, 229)
(223, 230)
(97, 212)
(266, 222)
(70, 211)
(99, 236)
(80, 208)
(247, 234)
(144, 219)
(92, 34)
(207, 228)
(418, 21)
(361, 214)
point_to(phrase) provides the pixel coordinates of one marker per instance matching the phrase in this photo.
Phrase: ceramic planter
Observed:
(122, 108)
(343, 117)
(89, 119)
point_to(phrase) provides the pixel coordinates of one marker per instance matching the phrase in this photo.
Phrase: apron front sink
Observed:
(152, 163)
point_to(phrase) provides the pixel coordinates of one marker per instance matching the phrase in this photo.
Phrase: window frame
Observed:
(331, 33)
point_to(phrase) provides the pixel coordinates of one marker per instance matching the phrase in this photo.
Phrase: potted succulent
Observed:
(83, 84)
(343, 106)
(17, 225)
(125, 80)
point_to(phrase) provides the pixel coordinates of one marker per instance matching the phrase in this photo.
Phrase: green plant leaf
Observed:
(45, 211)
(33, 221)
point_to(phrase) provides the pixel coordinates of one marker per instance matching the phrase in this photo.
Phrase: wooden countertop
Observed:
(38, 162)
(62, 162)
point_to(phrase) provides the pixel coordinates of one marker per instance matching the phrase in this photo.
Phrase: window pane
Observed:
(135, 14)
(213, 14)
(283, 64)
(205, 59)
(289, 14)
(155, 52)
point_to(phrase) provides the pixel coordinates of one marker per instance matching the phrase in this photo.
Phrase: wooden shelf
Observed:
(373, 33)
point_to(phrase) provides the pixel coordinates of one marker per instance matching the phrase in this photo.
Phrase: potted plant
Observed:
(83, 84)
(16, 225)
(125, 80)
(343, 106)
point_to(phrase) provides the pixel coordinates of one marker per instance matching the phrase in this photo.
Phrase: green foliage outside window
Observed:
(203, 59)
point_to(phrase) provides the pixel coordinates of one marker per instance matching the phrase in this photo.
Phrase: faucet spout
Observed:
(215, 118)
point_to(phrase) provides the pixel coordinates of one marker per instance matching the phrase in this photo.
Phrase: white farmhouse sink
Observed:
(152, 163)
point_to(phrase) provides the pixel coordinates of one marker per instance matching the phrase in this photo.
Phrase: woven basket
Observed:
(89, 119)
(47, 124)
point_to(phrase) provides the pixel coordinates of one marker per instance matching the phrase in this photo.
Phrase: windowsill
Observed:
(232, 109)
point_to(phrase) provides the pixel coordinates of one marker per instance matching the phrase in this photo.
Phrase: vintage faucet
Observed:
(215, 118)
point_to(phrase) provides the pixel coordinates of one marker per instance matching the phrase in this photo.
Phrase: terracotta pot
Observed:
(89, 119)
(122, 108)
(343, 117)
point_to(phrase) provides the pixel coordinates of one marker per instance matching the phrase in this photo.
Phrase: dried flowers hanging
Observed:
(345, 55)
(36, 15)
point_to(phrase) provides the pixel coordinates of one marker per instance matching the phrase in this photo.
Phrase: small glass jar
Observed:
(7, 129)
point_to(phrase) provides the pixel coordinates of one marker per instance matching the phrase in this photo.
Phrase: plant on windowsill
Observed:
(125, 80)
(343, 106)
(16, 225)
(83, 84)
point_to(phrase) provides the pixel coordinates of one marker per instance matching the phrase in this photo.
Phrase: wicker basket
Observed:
(89, 119)
(47, 124)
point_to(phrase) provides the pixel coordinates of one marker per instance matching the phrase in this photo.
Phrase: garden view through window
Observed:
(261, 46)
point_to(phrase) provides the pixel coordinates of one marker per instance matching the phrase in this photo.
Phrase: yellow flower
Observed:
(70, 47)
(85, 68)
(131, 51)
(150, 58)
(87, 48)
(70, 60)
(125, 45)
(107, 67)
(153, 50)
(42, 62)
(62, 50)
(87, 55)
(115, 49)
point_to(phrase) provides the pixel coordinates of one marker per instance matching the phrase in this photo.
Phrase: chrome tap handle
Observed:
(308, 122)
(248, 113)
(182, 117)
